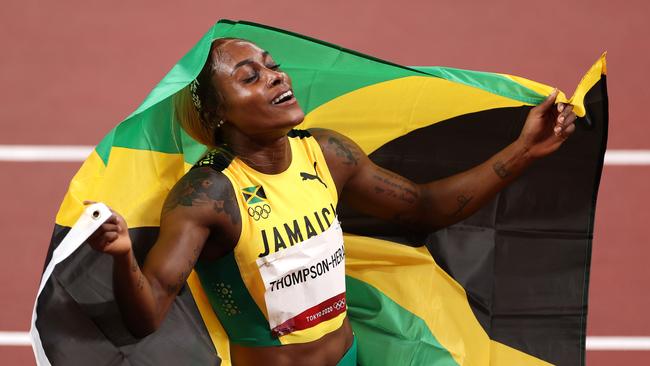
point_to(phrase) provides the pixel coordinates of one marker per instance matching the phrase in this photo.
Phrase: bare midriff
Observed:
(327, 350)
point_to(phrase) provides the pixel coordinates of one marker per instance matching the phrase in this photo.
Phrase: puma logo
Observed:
(307, 176)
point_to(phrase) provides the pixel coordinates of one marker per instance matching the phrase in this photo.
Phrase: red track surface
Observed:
(71, 70)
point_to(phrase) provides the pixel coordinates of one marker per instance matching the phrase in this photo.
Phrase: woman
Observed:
(256, 217)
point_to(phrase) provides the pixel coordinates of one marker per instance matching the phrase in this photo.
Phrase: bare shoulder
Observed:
(200, 218)
(205, 195)
(343, 156)
(338, 148)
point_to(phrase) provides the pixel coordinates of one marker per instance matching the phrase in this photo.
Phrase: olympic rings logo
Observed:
(259, 212)
(339, 304)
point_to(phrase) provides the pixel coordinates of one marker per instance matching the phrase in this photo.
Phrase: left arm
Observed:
(378, 192)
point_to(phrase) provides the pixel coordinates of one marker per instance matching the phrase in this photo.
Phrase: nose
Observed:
(276, 78)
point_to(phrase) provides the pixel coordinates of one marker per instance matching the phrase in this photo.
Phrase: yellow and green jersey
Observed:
(284, 282)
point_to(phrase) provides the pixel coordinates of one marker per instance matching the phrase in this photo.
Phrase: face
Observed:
(257, 94)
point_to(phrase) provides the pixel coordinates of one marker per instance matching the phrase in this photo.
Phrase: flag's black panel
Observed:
(80, 324)
(524, 258)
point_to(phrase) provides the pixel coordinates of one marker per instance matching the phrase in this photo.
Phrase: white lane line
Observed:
(15, 339)
(618, 343)
(594, 343)
(627, 157)
(44, 153)
(72, 153)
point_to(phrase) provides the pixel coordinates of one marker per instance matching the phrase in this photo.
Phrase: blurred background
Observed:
(71, 70)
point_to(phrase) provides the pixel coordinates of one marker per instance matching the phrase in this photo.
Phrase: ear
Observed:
(221, 110)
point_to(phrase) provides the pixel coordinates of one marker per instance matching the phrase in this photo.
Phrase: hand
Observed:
(112, 237)
(547, 127)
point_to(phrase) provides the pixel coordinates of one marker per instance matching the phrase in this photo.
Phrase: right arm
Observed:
(201, 205)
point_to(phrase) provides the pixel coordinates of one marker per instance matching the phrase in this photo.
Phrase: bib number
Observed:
(305, 284)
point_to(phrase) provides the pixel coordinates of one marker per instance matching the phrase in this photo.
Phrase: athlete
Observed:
(256, 217)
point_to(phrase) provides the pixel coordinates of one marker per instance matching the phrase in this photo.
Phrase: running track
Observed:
(71, 70)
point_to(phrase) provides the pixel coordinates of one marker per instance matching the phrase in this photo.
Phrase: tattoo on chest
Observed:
(344, 151)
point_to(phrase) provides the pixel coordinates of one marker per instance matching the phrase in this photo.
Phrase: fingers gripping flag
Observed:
(506, 286)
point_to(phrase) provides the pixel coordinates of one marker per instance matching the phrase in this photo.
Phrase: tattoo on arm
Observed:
(462, 201)
(500, 169)
(140, 281)
(173, 289)
(200, 187)
(343, 150)
(135, 268)
(134, 262)
(395, 186)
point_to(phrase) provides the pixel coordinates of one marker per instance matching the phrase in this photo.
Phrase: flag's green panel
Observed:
(377, 320)
(320, 72)
(494, 83)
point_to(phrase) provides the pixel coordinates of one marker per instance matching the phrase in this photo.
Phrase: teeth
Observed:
(288, 93)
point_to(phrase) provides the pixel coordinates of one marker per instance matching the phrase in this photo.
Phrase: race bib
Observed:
(305, 284)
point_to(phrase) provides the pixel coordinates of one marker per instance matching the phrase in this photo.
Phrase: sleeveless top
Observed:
(284, 282)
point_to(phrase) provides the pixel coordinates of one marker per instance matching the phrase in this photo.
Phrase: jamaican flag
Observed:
(507, 286)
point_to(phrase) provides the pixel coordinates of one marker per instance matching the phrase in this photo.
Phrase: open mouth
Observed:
(283, 98)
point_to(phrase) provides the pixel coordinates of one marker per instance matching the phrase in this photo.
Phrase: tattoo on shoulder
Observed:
(500, 169)
(201, 187)
(343, 150)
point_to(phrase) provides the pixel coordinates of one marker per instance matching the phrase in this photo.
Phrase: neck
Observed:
(266, 154)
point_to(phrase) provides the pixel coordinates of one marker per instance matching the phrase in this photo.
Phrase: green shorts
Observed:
(350, 357)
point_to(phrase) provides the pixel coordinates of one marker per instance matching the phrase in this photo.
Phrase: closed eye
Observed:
(255, 74)
(251, 78)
